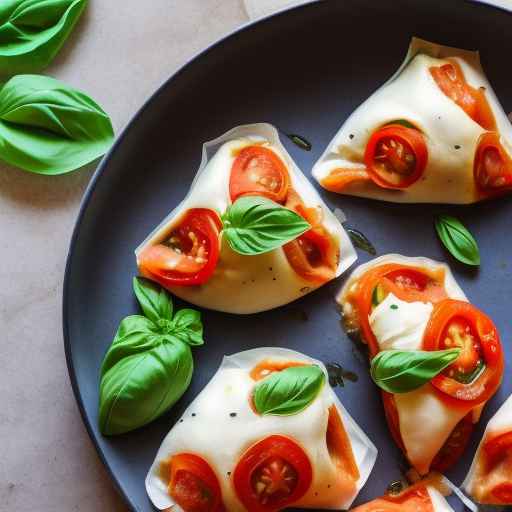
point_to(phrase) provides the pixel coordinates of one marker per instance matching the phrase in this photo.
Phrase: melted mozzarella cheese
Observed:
(450, 134)
(247, 284)
(425, 420)
(439, 502)
(398, 324)
(209, 430)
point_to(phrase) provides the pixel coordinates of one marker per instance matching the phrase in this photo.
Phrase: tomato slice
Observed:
(258, 170)
(405, 282)
(392, 418)
(476, 374)
(497, 449)
(264, 368)
(189, 255)
(414, 499)
(493, 166)
(396, 156)
(450, 79)
(454, 446)
(193, 485)
(503, 493)
(272, 474)
(314, 255)
(339, 179)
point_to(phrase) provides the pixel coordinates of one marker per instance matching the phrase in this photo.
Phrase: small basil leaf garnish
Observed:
(255, 225)
(337, 375)
(300, 141)
(149, 365)
(33, 31)
(47, 127)
(289, 391)
(401, 371)
(360, 241)
(458, 240)
(153, 299)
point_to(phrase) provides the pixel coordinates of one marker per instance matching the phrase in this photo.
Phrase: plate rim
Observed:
(98, 173)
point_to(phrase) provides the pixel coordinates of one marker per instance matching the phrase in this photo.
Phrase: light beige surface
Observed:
(120, 52)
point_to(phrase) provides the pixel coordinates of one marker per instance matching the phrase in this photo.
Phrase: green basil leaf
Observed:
(141, 387)
(33, 31)
(401, 371)
(155, 302)
(135, 334)
(47, 127)
(289, 391)
(458, 240)
(255, 225)
(187, 327)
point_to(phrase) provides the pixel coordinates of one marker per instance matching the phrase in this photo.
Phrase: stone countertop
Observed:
(119, 53)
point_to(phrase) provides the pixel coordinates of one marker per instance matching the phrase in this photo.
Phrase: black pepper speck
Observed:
(193, 414)
(351, 136)
(456, 146)
(232, 414)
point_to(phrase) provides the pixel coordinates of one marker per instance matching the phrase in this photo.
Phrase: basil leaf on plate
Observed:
(289, 391)
(47, 127)
(142, 386)
(401, 371)
(153, 299)
(149, 364)
(33, 31)
(458, 240)
(255, 225)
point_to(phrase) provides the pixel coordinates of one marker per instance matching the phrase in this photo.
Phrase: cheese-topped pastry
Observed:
(420, 497)
(435, 132)
(265, 434)
(398, 303)
(490, 478)
(190, 255)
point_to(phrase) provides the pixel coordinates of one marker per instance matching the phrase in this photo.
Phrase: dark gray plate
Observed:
(304, 70)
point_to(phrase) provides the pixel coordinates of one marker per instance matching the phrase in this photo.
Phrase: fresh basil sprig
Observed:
(458, 240)
(289, 391)
(255, 225)
(401, 371)
(47, 127)
(33, 31)
(149, 365)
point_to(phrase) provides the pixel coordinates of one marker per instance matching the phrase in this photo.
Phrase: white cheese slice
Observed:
(248, 284)
(208, 429)
(451, 135)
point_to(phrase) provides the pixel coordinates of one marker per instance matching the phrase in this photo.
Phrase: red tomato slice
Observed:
(450, 79)
(339, 179)
(503, 493)
(454, 446)
(493, 166)
(272, 474)
(406, 282)
(313, 255)
(190, 253)
(193, 485)
(392, 418)
(396, 156)
(257, 170)
(497, 449)
(414, 499)
(268, 366)
(476, 374)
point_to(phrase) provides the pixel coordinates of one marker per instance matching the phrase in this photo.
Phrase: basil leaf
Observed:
(33, 31)
(187, 327)
(255, 225)
(289, 391)
(141, 387)
(457, 239)
(401, 371)
(153, 299)
(47, 127)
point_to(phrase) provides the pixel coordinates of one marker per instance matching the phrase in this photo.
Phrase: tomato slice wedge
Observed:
(476, 374)
(414, 499)
(454, 446)
(405, 282)
(258, 170)
(396, 156)
(264, 368)
(314, 255)
(339, 179)
(493, 166)
(272, 474)
(192, 484)
(497, 449)
(450, 79)
(189, 254)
